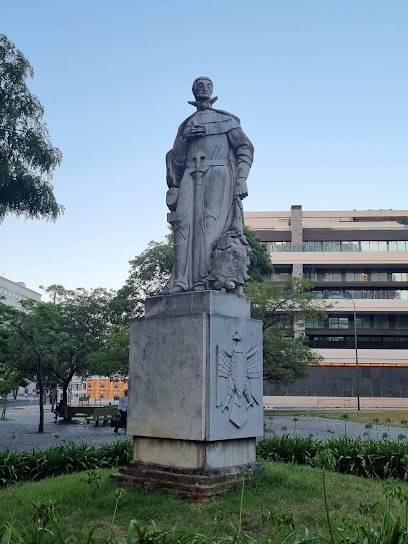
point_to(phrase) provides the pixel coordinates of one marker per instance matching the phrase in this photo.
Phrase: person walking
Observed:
(122, 409)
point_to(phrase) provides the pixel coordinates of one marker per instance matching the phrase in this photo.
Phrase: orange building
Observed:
(102, 387)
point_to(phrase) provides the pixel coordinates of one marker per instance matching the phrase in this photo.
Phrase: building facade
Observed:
(350, 256)
(13, 293)
(104, 388)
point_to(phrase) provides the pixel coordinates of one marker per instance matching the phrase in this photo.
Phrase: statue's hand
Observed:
(241, 188)
(192, 131)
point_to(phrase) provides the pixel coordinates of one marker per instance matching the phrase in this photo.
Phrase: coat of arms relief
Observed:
(238, 376)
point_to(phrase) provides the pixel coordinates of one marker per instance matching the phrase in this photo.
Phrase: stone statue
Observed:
(207, 172)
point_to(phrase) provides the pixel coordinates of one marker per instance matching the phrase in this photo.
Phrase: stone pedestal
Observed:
(195, 392)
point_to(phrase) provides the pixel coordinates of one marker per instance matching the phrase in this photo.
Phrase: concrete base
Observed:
(190, 379)
(197, 484)
(194, 455)
(195, 393)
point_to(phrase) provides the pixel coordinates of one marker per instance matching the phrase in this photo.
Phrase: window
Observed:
(338, 323)
(397, 276)
(382, 246)
(317, 324)
(343, 323)
(332, 275)
(376, 275)
(279, 246)
(313, 246)
(381, 322)
(401, 322)
(353, 275)
(363, 322)
(310, 275)
(401, 245)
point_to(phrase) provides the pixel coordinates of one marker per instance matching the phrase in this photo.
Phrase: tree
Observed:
(9, 381)
(112, 357)
(284, 307)
(31, 339)
(151, 270)
(10, 377)
(27, 158)
(82, 323)
(51, 342)
(260, 263)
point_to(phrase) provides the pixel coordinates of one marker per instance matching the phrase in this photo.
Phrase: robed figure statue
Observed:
(207, 172)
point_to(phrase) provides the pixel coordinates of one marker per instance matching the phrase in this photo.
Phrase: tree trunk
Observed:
(65, 400)
(41, 424)
(41, 384)
(3, 412)
(65, 385)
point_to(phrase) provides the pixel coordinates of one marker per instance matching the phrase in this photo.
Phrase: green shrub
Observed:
(288, 449)
(369, 458)
(65, 459)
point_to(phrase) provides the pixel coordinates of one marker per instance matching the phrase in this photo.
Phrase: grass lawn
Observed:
(362, 416)
(281, 492)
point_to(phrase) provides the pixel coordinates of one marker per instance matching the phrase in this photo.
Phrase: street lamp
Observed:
(348, 296)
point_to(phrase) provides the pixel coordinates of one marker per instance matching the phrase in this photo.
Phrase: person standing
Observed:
(122, 409)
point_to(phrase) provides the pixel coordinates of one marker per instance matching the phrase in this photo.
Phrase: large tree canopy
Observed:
(284, 307)
(151, 270)
(50, 342)
(27, 157)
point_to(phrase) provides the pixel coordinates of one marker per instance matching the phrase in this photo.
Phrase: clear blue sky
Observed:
(321, 87)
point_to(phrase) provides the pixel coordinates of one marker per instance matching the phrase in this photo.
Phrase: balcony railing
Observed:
(343, 246)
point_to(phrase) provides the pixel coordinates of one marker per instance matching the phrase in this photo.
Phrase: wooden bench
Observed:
(80, 411)
(103, 414)
(77, 411)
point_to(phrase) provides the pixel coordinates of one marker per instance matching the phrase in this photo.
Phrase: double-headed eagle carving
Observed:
(237, 380)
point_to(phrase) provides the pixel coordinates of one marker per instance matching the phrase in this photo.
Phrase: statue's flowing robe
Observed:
(204, 172)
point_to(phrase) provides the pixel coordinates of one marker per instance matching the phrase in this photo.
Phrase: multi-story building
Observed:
(350, 256)
(13, 293)
(102, 387)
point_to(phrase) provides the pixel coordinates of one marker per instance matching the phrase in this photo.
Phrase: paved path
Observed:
(319, 427)
(19, 432)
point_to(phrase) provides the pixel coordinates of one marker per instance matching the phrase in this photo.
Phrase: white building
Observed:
(13, 293)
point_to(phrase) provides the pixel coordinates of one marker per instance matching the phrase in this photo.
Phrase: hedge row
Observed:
(369, 458)
(64, 459)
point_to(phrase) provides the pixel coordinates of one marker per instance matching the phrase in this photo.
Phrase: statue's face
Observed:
(203, 89)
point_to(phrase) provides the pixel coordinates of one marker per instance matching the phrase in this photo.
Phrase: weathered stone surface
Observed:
(175, 390)
(198, 484)
(193, 454)
(220, 426)
(211, 302)
(167, 376)
(207, 171)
